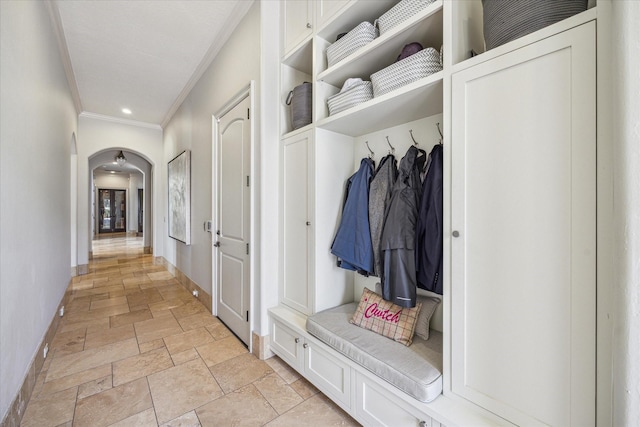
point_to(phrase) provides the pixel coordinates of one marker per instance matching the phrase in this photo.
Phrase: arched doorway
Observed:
(122, 181)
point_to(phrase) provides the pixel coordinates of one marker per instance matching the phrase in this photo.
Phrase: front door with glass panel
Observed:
(112, 210)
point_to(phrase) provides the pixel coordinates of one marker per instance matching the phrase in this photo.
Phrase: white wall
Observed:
(96, 135)
(37, 121)
(136, 181)
(237, 63)
(116, 181)
(626, 210)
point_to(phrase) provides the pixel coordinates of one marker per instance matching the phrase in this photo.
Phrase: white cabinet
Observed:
(327, 9)
(325, 369)
(375, 406)
(523, 217)
(297, 22)
(519, 193)
(314, 168)
(296, 222)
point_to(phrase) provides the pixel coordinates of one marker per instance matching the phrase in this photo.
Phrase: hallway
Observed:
(135, 349)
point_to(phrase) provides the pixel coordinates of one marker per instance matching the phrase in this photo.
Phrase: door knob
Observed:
(216, 244)
(455, 233)
(308, 222)
(305, 345)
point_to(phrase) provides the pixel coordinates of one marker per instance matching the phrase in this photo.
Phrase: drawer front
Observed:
(286, 344)
(377, 407)
(328, 373)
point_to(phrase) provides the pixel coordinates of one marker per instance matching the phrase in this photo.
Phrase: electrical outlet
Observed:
(195, 293)
(62, 311)
(46, 350)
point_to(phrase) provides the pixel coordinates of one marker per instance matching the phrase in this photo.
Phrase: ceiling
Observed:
(144, 55)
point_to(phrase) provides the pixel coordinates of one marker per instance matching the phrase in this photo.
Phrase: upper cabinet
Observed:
(297, 23)
(327, 9)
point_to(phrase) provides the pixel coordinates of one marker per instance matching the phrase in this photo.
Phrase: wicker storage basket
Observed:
(362, 92)
(507, 20)
(415, 67)
(402, 11)
(360, 36)
(300, 101)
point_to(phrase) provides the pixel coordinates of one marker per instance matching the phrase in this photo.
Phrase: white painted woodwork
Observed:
(313, 178)
(330, 374)
(375, 407)
(524, 204)
(287, 344)
(297, 212)
(233, 219)
(528, 82)
(326, 10)
(297, 25)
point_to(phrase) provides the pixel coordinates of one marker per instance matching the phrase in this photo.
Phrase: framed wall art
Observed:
(179, 177)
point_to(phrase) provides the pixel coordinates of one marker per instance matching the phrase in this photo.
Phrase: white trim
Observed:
(56, 22)
(239, 11)
(119, 120)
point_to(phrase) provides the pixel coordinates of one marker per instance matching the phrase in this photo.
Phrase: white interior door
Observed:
(232, 236)
(524, 227)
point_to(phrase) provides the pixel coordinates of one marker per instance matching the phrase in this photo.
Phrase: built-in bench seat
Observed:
(416, 369)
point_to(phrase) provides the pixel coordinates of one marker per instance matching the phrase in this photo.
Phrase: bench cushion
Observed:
(415, 369)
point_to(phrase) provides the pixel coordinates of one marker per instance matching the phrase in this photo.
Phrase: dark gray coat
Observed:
(399, 233)
(379, 198)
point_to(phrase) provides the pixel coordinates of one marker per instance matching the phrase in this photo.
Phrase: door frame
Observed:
(248, 91)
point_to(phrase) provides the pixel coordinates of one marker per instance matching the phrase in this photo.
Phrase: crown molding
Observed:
(112, 119)
(239, 11)
(54, 15)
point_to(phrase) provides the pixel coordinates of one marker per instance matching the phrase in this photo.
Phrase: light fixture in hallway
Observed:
(121, 159)
(126, 111)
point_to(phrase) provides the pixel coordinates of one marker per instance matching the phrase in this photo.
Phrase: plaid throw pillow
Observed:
(386, 318)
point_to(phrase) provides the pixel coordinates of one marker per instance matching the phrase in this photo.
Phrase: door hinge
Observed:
(247, 315)
(248, 115)
(247, 180)
(247, 249)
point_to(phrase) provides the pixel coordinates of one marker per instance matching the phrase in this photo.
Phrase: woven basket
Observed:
(360, 36)
(362, 92)
(507, 20)
(402, 11)
(300, 100)
(415, 67)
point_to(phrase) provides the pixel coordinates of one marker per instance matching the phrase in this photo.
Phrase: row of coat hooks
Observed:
(392, 149)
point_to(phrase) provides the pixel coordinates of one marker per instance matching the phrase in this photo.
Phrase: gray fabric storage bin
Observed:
(300, 100)
(507, 20)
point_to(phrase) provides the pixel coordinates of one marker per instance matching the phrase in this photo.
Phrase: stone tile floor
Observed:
(134, 348)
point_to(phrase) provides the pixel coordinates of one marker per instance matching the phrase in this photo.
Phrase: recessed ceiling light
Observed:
(114, 163)
(113, 171)
(126, 111)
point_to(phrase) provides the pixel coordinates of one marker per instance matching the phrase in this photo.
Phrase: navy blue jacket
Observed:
(429, 227)
(352, 244)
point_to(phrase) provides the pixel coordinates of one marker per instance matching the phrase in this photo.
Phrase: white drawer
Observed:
(287, 344)
(331, 375)
(375, 406)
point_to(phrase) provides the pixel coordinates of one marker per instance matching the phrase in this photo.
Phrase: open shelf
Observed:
(300, 58)
(354, 14)
(425, 27)
(422, 98)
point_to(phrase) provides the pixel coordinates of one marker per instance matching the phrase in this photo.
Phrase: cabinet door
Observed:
(297, 248)
(287, 344)
(524, 232)
(327, 9)
(297, 22)
(331, 375)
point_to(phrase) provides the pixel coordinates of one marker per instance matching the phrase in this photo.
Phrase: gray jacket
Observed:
(399, 233)
(379, 198)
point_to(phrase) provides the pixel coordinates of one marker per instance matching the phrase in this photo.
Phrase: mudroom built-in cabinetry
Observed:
(517, 125)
